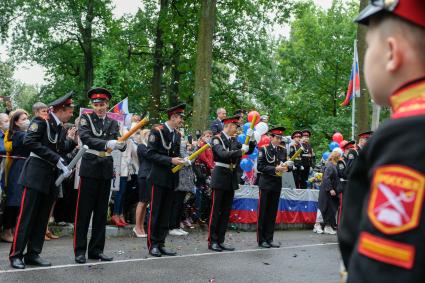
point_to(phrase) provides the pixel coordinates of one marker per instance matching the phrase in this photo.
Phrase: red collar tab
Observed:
(409, 100)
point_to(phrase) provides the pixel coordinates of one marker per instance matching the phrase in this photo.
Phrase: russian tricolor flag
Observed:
(295, 206)
(354, 85)
(121, 107)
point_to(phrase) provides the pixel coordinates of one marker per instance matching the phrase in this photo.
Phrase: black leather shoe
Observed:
(155, 252)
(36, 261)
(225, 247)
(165, 251)
(274, 245)
(102, 257)
(215, 247)
(80, 259)
(17, 263)
(264, 245)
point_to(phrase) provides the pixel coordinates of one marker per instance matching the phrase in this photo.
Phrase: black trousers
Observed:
(220, 212)
(31, 224)
(177, 209)
(93, 198)
(159, 218)
(268, 204)
(297, 177)
(304, 177)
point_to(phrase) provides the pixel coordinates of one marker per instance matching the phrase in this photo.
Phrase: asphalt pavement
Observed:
(303, 257)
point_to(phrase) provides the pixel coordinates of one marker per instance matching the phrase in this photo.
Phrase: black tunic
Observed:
(383, 225)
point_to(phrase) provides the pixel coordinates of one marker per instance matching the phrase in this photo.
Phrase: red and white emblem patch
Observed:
(395, 203)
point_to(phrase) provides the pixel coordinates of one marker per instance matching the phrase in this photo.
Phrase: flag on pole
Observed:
(354, 84)
(121, 107)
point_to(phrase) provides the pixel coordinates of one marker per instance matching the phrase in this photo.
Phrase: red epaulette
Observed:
(159, 128)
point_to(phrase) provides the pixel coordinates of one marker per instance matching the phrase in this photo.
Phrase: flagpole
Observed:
(353, 106)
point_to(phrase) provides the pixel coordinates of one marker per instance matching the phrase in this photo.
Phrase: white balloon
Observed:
(257, 136)
(262, 128)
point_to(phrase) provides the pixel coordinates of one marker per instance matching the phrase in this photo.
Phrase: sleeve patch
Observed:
(351, 156)
(216, 141)
(83, 122)
(33, 127)
(152, 138)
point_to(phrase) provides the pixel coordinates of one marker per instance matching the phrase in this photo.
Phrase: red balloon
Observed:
(253, 114)
(337, 137)
(264, 141)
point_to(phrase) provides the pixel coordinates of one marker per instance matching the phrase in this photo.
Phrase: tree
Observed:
(203, 72)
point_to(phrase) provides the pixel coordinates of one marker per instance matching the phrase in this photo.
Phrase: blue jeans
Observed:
(119, 196)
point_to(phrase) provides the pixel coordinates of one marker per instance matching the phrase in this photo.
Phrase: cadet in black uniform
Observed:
(341, 168)
(163, 152)
(308, 158)
(298, 165)
(99, 133)
(382, 228)
(363, 138)
(227, 155)
(47, 141)
(272, 162)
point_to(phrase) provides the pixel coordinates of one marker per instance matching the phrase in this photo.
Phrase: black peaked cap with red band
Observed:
(365, 135)
(277, 131)
(409, 10)
(63, 101)
(347, 145)
(297, 134)
(234, 120)
(99, 94)
(306, 133)
(178, 109)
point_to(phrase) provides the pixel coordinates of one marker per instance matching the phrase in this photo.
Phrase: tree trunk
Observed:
(175, 76)
(362, 103)
(158, 64)
(203, 71)
(376, 111)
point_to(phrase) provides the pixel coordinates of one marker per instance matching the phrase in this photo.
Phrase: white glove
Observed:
(289, 163)
(187, 162)
(245, 148)
(111, 144)
(66, 172)
(302, 168)
(250, 133)
(120, 145)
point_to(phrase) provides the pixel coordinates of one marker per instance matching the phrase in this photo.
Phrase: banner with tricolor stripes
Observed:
(354, 84)
(295, 206)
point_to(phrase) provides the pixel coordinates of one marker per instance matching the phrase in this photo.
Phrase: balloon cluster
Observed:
(260, 130)
(334, 145)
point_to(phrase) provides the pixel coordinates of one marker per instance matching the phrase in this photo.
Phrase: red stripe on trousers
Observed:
(211, 216)
(18, 223)
(150, 219)
(76, 215)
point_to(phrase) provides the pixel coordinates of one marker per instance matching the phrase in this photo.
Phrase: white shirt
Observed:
(169, 128)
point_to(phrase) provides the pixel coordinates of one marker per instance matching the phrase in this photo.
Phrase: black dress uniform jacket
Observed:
(163, 145)
(227, 151)
(383, 224)
(308, 158)
(268, 158)
(48, 141)
(106, 129)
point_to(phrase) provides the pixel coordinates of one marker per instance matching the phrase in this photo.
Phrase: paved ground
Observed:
(304, 257)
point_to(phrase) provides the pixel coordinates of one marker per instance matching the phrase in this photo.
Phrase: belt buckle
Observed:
(231, 167)
(102, 153)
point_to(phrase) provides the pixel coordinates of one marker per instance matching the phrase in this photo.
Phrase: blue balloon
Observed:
(246, 165)
(246, 127)
(241, 138)
(325, 155)
(254, 154)
(333, 145)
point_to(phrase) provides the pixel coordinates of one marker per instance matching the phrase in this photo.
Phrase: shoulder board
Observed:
(159, 128)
